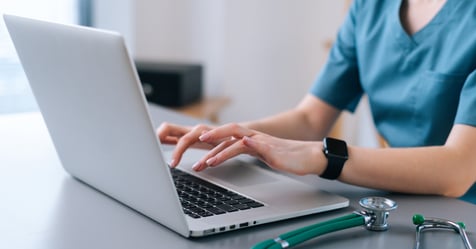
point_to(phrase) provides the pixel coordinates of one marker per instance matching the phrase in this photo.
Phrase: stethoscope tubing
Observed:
(301, 235)
(374, 217)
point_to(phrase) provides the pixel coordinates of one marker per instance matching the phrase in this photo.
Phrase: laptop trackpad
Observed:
(240, 174)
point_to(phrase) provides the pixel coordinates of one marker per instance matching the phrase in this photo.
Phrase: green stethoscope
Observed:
(374, 217)
(423, 223)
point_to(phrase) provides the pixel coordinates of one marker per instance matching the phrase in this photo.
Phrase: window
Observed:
(15, 93)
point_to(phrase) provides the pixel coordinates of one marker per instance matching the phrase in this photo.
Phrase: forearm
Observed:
(312, 119)
(448, 170)
(290, 124)
(428, 170)
(444, 170)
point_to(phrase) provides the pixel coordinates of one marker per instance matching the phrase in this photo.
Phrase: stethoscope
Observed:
(423, 223)
(374, 217)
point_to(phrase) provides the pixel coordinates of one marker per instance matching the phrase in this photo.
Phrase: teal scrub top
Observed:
(418, 85)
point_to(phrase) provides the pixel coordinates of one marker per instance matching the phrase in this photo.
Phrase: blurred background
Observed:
(260, 57)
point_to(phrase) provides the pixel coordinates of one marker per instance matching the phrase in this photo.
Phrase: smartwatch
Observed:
(335, 151)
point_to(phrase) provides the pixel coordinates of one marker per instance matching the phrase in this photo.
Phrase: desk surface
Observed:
(43, 207)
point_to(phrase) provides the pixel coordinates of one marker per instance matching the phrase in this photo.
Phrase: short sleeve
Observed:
(466, 113)
(338, 82)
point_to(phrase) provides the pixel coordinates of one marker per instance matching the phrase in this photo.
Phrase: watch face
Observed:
(335, 147)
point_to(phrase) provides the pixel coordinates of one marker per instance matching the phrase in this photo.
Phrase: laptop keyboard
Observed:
(201, 198)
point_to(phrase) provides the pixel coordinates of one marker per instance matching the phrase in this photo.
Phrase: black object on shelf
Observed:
(170, 84)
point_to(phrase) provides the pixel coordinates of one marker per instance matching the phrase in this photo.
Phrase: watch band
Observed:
(334, 168)
(335, 151)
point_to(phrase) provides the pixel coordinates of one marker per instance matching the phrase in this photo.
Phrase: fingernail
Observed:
(196, 166)
(247, 140)
(211, 161)
(173, 163)
(204, 137)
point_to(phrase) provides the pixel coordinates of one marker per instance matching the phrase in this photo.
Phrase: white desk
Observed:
(43, 207)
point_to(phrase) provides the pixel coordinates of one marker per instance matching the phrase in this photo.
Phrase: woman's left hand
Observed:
(297, 157)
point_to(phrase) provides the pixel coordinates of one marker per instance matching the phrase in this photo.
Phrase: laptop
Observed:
(88, 91)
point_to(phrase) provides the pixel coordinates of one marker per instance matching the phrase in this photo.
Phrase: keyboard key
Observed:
(227, 208)
(255, 204)
(215, 210)
(200, 198)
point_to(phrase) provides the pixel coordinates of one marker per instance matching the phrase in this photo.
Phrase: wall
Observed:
(183, 31)
(264, 54)
(274, 50)
(117, 15)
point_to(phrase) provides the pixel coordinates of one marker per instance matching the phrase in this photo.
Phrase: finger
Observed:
(174, 141)
(274, 157)
(169, 140)
(258, 149)
(202, 163)
(231, 151)
(228, 130)
(170, 134)
(166, 132)
(185, 142)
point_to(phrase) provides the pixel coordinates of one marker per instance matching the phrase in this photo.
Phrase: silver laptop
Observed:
(91, 99)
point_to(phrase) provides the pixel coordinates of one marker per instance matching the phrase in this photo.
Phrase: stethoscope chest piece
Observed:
(373, 216)
(378, 209)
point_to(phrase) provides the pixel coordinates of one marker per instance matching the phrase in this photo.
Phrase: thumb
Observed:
(248, 141)
(257, 148)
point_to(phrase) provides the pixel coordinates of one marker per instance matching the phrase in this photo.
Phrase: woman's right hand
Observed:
(183, 137)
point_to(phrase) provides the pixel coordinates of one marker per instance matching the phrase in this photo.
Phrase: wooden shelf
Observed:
(207, 108)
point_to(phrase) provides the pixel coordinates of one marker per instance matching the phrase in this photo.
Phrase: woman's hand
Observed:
(297, 157)
(183, 137)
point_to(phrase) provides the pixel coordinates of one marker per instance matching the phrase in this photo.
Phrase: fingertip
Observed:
(211, 161)
(173, 163)
(248, 141)
(199, 166)
(195, 166)
(204, 137)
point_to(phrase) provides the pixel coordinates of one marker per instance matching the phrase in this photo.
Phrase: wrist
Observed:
(335, 151)
(252, 125)
(319, 160)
